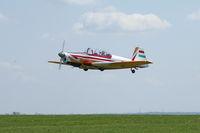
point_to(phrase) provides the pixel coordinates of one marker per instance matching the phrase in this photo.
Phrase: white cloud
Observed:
(15, 72)
(2, 17)
(80, 2)
(194, 16)
(114, 21)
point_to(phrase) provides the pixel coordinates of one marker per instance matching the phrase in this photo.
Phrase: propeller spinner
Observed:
(62, 55)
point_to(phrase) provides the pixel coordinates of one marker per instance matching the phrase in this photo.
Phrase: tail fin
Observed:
(139, 55)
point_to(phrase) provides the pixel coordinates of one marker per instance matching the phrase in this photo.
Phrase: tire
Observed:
(132, 70)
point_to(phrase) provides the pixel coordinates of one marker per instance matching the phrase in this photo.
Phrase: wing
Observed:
(120, 65)
(57, 62)
(112, 65)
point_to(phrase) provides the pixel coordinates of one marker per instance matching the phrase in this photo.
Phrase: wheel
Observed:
(132, 70)
(85, 69)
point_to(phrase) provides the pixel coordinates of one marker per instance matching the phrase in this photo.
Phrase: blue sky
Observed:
(31, 33)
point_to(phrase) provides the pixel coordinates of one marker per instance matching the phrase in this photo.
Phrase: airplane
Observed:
(102, 60)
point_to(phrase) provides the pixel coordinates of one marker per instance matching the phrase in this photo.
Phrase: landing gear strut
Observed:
(132, 70)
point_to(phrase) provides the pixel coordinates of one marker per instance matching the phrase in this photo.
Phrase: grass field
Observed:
(99, 124)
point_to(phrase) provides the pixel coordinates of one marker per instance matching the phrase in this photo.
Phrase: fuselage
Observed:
(82, 59)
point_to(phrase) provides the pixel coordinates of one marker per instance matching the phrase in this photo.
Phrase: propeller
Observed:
(60, 64)
(63, 46)
(61, 54)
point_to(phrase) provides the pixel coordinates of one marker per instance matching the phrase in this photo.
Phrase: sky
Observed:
(32, 32)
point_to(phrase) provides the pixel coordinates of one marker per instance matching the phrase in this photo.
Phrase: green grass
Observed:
(99, 124)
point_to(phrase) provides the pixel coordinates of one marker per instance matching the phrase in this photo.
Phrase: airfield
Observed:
(99, 123)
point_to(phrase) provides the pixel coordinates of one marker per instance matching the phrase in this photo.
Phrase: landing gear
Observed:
(101, 69)
(132, 70)
(85, 69)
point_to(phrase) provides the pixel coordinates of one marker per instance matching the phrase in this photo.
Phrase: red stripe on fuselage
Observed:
(80, 56)
(108, 57)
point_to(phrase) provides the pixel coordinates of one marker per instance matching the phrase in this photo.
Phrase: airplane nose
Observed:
(61, 54)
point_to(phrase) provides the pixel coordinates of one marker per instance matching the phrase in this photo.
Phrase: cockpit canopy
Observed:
(97, 52)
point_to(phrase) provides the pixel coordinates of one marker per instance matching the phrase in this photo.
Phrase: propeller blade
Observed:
(63, 46)
(60, 64)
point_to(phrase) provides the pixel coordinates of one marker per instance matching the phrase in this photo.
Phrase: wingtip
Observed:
(50, 61)
(53, 62)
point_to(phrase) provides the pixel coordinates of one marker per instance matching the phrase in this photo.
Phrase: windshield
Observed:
(91, 51)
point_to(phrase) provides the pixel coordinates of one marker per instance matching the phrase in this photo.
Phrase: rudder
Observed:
(139, 55)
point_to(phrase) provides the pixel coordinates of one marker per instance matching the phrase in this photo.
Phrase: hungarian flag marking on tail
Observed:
(141, 54)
